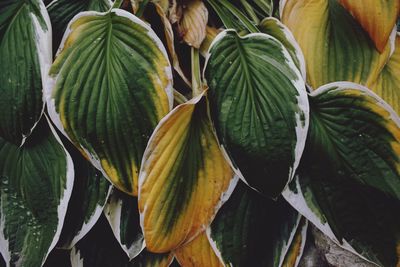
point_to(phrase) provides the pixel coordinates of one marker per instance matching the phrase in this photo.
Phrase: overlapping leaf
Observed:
(250, 230)
(109, 111)
(184, 178)
(335, 46)
(25, 57)
(259, 107)
(348, 183)
(62, 11)
(89, 195)
(278, 30)
(387, 85)
(198, 252)
(36, 184)
(378, 18)
(123, 215)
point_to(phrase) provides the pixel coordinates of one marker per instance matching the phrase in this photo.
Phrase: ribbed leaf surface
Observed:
(112, 84)
(335, 46)
(259, 108)
(387, 85)
(378, 18)
(348, 183)
(184, 178)
(25, 57)
(62, 11)
(35, 186)
(198, 252)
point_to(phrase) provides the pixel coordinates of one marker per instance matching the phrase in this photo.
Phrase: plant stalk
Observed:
(197, 87)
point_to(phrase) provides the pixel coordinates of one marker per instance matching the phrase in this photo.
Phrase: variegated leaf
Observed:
(335, 46)
(349, 180)
(35, 186)
(387, 85)
(198, 252)
(110, 111)
(123, 216)
(62, 11)
(259, 108)
(184, 178)
(25, 58)
(378, 18)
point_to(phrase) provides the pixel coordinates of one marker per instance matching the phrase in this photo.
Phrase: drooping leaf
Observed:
(275, 28)
(110, 111)
(335, 46)
(184, 178)
(192, 26)
(25, 58)
(259, 107)
(378, 18)
(250, 230)
(35, 186)
(387, 85)
(296, 248)
(198, 252)
(89, 195)
(348, 183)
(61, 13)
(170, 39)
(123, 215)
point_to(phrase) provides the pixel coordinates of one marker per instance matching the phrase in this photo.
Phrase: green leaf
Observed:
(61, 13)
(35, 184)
(259, 108)
(89, 196)
(348, 183)
(110, 111)
(25, 57)
(275, 28)
(250, 230)
(123, 215)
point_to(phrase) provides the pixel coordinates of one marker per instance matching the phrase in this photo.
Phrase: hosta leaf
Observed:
(259, 107)
(89, 195)
(62, 11)
(184, 178)
(250, 230)
(198, 252)
(25, 58)
(296, 248)
(35, 186)
(110, 111)
(376, 17)
(335, 46)
(387, 85)
(192, 26)
(275, 28)
(123, 215)
(352, 194)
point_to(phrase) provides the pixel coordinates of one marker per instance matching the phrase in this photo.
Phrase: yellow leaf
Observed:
(192, 26)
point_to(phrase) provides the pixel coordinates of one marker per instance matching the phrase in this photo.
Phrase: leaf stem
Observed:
(117, 4)
(142, 7)
(196, 76)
